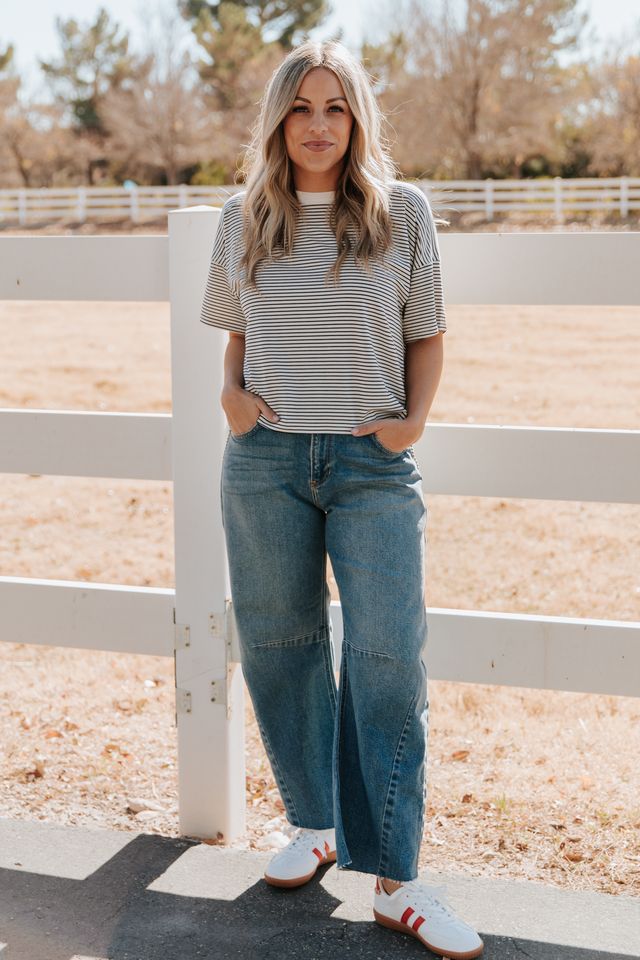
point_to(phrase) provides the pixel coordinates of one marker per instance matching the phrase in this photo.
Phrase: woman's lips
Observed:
(317, 146)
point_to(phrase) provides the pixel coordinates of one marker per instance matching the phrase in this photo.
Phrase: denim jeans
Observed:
(350, 756)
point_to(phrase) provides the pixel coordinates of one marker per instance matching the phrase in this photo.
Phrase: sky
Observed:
(31, 26)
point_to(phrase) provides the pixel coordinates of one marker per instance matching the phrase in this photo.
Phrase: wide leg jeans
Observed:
(351, 755)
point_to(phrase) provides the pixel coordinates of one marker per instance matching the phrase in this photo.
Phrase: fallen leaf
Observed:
(110, 748)
(125, 706)
(38, 768)
(138, 804)
(459, 755)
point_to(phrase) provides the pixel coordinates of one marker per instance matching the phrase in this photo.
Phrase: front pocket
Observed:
(247, 433)
(389, 453)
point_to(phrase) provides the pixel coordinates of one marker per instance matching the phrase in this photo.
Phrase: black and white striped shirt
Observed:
(326, 357)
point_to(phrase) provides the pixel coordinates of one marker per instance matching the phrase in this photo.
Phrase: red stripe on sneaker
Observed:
(318, 854)
(417, 923)
(407, 914)
(378, 890)
(327, 847)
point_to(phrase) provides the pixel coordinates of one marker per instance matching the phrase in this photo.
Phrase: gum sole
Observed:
(298, 881)
(403, 928)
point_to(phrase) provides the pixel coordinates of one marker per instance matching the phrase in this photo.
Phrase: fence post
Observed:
(133, 204)
(81, 205)
(624, 196)
(22, 207)
(557, 200)
(488, 198)
(209, 687)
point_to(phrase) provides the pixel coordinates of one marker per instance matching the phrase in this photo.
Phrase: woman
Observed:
(326, 273)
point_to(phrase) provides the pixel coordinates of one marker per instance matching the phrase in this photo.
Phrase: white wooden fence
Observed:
(194, 622)
(561, 198)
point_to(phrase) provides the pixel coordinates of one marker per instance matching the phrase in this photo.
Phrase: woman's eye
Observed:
(334, 106)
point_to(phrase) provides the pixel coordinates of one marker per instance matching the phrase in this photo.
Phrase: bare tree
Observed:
(9, 84)
(484, 91)
(158, 124)
(612, 124)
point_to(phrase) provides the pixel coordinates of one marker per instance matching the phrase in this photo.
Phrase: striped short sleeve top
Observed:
(326, 357)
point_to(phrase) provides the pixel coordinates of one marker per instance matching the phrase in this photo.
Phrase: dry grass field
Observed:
(522, 783)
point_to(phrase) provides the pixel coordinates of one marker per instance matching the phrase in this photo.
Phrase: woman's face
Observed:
(317, 130)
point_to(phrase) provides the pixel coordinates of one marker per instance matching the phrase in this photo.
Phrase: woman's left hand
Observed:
(394, 433)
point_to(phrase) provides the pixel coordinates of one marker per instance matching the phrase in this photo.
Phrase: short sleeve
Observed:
(424, 310)
(221, 304)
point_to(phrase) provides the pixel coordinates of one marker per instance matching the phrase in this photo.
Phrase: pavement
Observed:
(83, 893)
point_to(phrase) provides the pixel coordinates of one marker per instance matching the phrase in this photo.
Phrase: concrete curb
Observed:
(70, 893)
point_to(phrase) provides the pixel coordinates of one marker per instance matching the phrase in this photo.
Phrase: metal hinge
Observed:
(181, 636)
(181, 641)
(183, 701)
(219, 630)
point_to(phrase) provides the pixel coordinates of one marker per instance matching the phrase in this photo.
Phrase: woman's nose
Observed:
(317, 123)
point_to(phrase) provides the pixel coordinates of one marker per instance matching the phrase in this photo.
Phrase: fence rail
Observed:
(557, 196)
(194, 622)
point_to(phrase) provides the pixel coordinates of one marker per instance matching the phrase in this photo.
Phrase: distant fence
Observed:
(556, 196)
(194, 622)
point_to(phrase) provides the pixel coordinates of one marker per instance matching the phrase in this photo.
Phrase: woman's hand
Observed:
(242, 408)
(394, 433)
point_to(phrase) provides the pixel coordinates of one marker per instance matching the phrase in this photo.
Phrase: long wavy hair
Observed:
(359, 217)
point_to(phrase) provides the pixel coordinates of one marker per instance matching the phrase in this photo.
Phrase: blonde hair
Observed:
(270, 204)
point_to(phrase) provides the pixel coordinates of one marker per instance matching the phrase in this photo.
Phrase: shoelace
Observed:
(431, 898)
(298, 834)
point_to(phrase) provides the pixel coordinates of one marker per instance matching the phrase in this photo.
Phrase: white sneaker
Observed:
(422, 911)
(302, 856)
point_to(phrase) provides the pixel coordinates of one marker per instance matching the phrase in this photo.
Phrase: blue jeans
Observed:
(350, 756)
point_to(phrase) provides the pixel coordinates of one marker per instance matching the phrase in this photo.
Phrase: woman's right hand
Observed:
(242, 409)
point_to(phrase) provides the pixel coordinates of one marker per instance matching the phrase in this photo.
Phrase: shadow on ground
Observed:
(113, 914)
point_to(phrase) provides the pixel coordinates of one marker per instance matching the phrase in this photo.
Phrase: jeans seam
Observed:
(368, 653)
(340, 727)
(329, 672)
(279, 774)
(423, 772)
(391, 789)
(316, 636)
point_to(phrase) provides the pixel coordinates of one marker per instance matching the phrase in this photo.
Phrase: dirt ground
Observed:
(523, 784)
